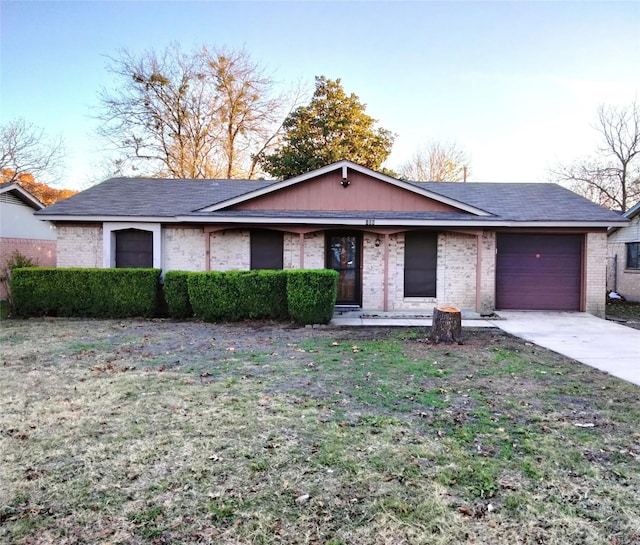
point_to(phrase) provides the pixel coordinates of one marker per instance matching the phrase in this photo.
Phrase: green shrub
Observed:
(15, 261)
(263, 294)
(238, 295)
(96, 293)
(311, 295)
(213, 296)
(176, 293)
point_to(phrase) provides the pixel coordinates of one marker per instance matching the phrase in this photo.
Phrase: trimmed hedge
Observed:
(311, 295)
(306, 296)
(238, 295)
(95, 293)
(176, 293)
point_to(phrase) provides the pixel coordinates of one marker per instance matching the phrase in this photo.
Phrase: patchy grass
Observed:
(149, 432)
(625, 312)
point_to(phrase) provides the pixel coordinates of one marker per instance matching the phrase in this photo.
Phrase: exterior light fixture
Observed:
(377, 242)
(345, 182)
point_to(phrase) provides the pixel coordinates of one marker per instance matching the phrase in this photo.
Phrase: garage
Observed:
(538, 272)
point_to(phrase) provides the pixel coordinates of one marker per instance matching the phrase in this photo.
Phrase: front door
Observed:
(344, 255)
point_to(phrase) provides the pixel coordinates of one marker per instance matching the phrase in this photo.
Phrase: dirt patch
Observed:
(157, 431)
(624, 312)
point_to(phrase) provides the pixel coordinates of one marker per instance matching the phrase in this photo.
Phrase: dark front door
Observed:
(344, 256)
(538, 272)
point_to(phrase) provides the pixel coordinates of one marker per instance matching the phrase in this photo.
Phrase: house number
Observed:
(369, 222)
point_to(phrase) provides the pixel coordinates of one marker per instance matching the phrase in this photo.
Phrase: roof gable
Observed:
(17, 191)
(345, 186)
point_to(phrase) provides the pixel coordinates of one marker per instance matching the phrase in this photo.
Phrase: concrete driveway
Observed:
(605, 345)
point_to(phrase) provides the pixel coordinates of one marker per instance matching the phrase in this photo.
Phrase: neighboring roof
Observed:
(632, 212)
(20, 193)
(629, 215)
(170, 200)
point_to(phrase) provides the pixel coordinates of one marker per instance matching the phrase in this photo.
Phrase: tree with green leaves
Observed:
(333, 127)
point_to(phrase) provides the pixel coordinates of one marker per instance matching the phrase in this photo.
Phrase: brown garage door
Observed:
(538, 272)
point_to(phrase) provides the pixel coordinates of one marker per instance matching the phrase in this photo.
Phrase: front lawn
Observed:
(153, 432)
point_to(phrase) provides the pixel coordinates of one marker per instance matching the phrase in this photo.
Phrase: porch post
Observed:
(385, 274)
(479, 272)
(207, 248)
(301, 245)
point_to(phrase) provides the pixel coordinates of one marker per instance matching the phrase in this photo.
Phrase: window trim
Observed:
(109, 241)
(632, 266)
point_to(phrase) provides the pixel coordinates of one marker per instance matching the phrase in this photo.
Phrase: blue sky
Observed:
(516, 84)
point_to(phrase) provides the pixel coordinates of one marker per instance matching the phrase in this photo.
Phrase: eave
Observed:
(475, 222)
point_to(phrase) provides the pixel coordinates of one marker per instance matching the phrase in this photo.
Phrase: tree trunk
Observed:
(447, 325)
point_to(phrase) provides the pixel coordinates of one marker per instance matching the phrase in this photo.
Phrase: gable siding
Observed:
(629, 233)
(17, 221)
(363, 194)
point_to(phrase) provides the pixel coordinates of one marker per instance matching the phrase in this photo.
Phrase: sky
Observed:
(515, 84)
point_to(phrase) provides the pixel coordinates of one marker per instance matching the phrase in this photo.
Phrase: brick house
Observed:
(21, 231)
(624, 256)
(398, 245)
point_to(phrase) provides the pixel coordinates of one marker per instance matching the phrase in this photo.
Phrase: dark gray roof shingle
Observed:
(522, 201)
(157, 197)
(153, 197)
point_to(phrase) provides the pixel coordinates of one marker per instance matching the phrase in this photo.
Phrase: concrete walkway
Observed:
(602, 344)
(605, 345)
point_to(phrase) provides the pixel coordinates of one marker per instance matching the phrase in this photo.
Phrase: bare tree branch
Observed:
(437, 162)
(26, 149)
(202, 114)
(612, 177)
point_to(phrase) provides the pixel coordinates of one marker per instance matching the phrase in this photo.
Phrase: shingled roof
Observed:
(153, 199)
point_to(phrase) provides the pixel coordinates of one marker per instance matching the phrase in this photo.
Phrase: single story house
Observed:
(397, 245)
(624, 256)
(21, 231)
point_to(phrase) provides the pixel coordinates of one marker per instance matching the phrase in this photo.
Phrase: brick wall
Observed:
(596, 273)
(457, 270)
(41, 252)
(488, 273)
(456, 274)
(314, 251)
(79, 246)
(230, 250)
(183, 249)
(625, 281)
(372, 272)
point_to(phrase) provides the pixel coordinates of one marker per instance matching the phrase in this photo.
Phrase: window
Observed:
(266, 250)
(633, 255)
(420, 258)
(134, 249)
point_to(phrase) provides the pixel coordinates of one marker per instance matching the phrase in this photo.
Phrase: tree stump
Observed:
(447, 325)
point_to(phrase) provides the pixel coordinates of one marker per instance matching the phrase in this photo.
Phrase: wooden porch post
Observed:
(479, 272)
(301, 244)
(385, 274)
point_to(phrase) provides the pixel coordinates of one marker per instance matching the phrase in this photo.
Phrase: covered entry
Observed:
(344, 254)
(538, 272)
